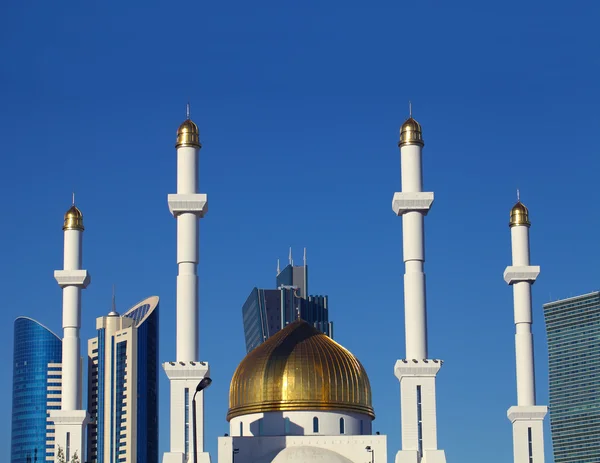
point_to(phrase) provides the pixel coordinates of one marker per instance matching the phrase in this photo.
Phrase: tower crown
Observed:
(519, 215)
(188, 134)
(411, 133)
(73, 219)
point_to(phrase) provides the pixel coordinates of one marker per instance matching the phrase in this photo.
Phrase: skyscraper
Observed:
(266, 311)
(123, 386)
(573, 330)
(37, 375)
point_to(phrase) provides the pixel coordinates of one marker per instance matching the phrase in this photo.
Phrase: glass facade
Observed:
(573, 330)
(35, 347)
(266, 311)
(147, 382)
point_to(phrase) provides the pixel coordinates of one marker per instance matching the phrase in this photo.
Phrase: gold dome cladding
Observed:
(411, 133)
(299, 368)
(519, 215)
(73, 219)
(188, 134)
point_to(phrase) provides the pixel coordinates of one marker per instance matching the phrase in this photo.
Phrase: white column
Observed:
(70, 421)
(416, 372)
(527, 418)
(187, 206)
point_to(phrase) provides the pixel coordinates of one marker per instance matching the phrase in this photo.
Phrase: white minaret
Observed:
(526, 417)
(187, 206)
(70, 421)
(416, 373)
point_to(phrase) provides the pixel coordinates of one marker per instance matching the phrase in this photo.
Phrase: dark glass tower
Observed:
(266, 311)
(573, 329)
(36, 378)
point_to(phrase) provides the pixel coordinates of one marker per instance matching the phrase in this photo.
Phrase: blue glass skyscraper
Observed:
(573, 329)
(36, 378)
(266, 311)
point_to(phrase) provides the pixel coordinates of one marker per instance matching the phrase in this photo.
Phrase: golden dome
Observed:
(73, 219)
(188, 134)
(519, 215)
(411, 133)
(299, 368)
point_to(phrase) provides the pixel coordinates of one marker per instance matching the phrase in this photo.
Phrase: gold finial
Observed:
(188, 133)
(73, 218)
(410, 132)
(519, 214)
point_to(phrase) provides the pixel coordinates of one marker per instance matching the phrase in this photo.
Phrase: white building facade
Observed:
(123, 386)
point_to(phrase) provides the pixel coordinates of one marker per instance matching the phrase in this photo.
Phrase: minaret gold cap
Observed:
(188, 133)
(519, 215)
(411, 133)
(73, 219)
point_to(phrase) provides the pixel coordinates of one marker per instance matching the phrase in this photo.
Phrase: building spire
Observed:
(305, 257)
(114, 303)
(410, 109)
(73, 203)
(518, 196)
(278, 270)
(188, 111)
(291, 261)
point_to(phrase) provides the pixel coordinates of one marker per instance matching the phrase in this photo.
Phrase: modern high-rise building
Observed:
(123, 386)
(266, 311)
(36, 390)
(573, 330)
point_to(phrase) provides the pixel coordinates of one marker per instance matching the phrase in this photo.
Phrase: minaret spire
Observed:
(188, 111)
(416, 372)
(527, 417)
(409, 109)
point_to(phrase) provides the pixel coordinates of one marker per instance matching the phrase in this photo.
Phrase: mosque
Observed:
(300, 396)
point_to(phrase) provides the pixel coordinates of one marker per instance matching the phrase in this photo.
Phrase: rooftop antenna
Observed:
(410, 108)
(187, 111)
(114, 303)
(291, 261)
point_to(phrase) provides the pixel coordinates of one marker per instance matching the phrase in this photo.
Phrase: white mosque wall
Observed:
(292, 449)
(301, 423)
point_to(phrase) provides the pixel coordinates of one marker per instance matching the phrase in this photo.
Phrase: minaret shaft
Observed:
(523, 319)
(413, 251)
(416, 372)
(70, 421)
(527, 418)
(187, 206)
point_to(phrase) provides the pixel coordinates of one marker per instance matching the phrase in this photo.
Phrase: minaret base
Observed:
(429, 456)
(184, 378)
(69, 432)
(171, 457)
(528, 432)
(418, 411)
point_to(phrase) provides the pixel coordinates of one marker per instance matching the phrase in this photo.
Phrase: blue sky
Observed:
(299, 105)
